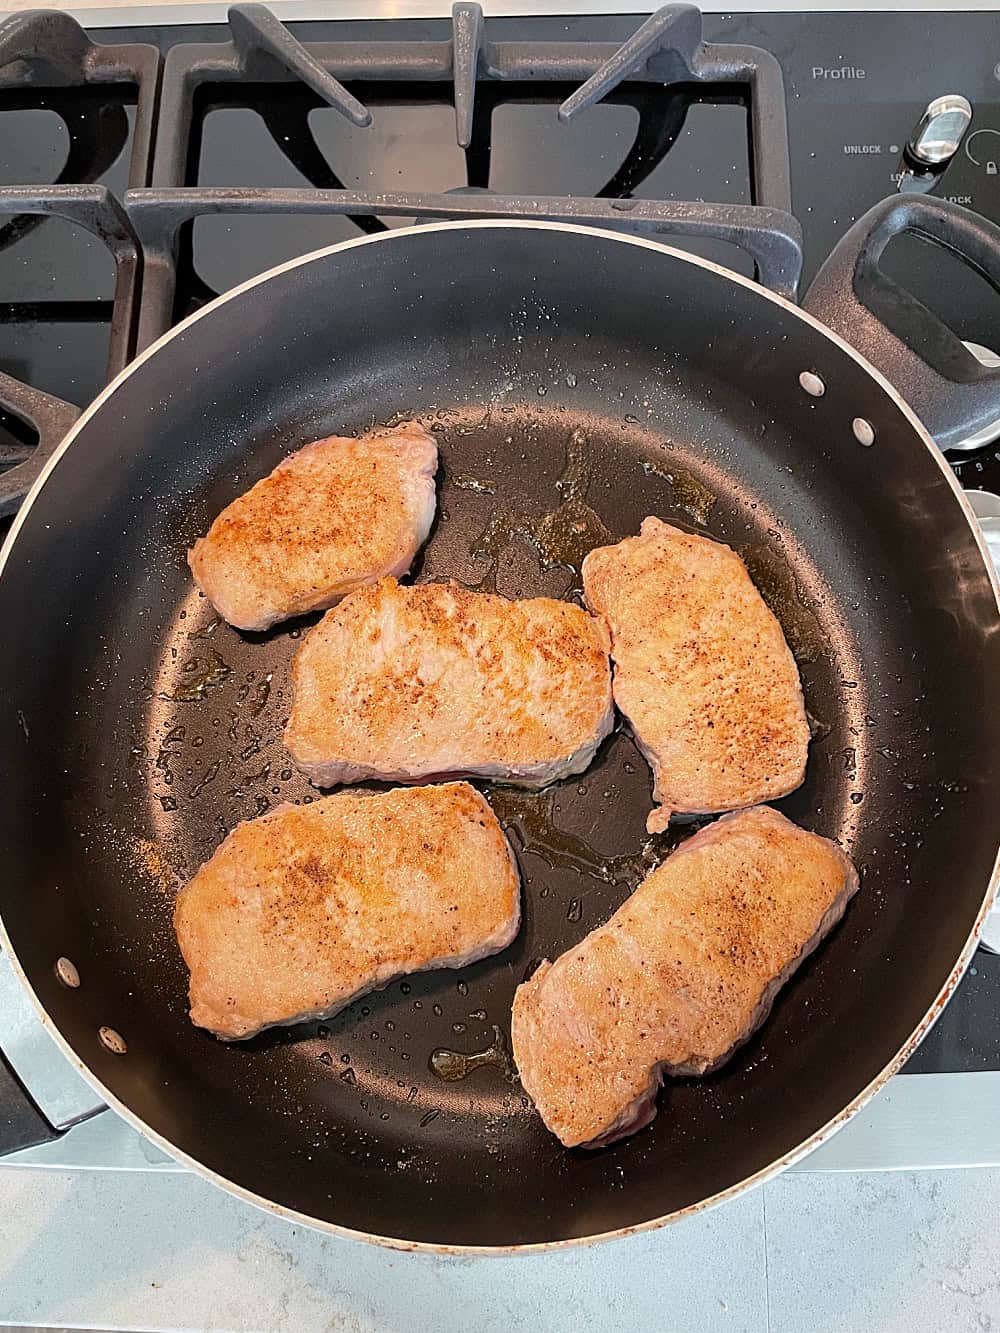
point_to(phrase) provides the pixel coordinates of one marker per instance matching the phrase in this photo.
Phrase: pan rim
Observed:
(820, 1135)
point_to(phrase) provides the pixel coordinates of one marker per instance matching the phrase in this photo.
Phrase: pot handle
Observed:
(951, 391)
(50, 418)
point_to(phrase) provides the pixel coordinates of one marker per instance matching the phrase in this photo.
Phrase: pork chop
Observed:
(305, 908)
(335, 515)
(680, 976)
(409, 683)
(702, 672)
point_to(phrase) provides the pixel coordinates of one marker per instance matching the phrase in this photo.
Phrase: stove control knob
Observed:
(939, 132)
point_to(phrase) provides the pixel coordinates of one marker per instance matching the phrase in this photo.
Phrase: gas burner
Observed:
(310, 143)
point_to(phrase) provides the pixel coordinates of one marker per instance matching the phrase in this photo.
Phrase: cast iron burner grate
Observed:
(102, 94)
(662, 75)
(662, 71)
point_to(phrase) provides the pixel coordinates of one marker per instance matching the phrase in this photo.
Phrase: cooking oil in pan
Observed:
(467, 483)
(693, 497)
(201, 674)
(690, 496)
(562, 536)
(450, 1066)
(529, 815)
(776, 583)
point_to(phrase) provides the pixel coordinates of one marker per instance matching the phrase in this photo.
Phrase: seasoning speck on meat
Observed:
(300, 911)
(335, 515)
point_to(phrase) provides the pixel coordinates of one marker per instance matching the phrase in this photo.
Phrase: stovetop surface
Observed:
(855, 86)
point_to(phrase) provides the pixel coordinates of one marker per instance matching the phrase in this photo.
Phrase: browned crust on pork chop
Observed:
(408, 683)
(681, 975)
(702, 671)
(335, 515)
(300, 911)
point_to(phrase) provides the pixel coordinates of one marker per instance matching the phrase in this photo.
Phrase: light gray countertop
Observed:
(811, 1252)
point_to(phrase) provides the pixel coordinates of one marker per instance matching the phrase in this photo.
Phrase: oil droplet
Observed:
(326, 1058)
(463, 988)
(653, 470)
(438, 1010)
(575, 910)
(857, 797)
(467, 483)
(570, 379)
(209, 776)
(168, 803)
(426, 1120)
(200, 674)
(542, 391)
(817, 730)
(478, 1014)
(454, 1065)
(349, 1076)
(207, 631)
(261, 696)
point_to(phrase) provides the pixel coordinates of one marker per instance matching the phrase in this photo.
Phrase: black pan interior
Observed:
(561, 372)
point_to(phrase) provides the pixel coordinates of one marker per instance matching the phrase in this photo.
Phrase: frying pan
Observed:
(562, 369)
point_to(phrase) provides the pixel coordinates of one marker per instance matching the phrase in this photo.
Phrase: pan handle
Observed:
(22, 1124)
(50, 418)
(41, 1095)
(951, 391)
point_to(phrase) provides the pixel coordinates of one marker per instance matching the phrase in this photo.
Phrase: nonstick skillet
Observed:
(562, 369)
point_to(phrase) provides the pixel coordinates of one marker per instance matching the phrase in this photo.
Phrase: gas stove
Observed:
(146, 170)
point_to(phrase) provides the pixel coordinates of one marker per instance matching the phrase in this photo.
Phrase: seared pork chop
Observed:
(702, 672)
(680, 976)
(305, 908)
(331, 517)
(406, 683)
